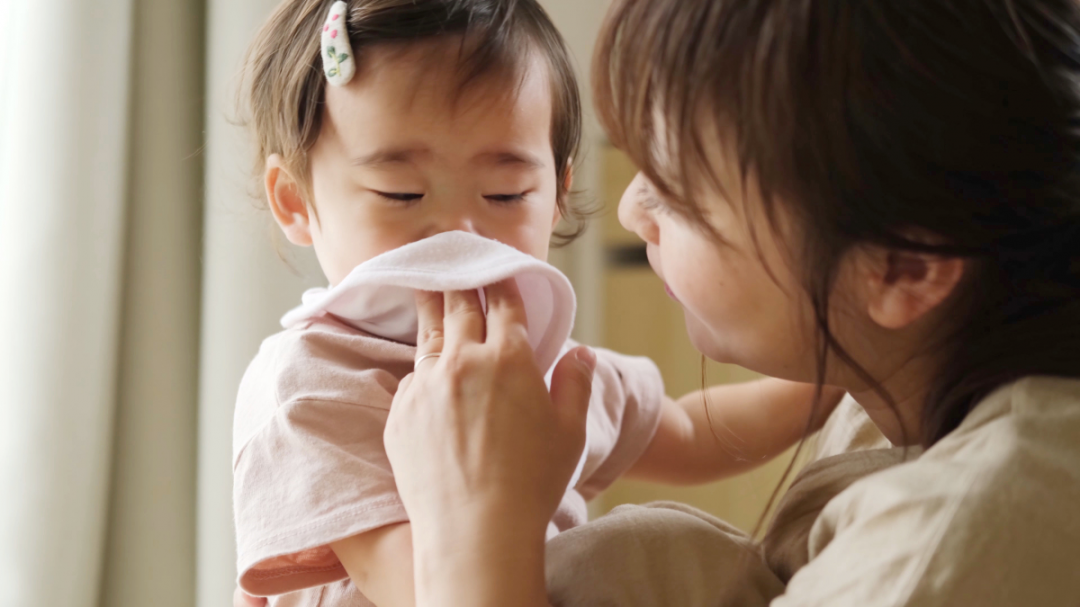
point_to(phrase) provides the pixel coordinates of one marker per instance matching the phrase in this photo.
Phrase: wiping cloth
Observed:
(987, 517)
(378, 295)
(309, 466)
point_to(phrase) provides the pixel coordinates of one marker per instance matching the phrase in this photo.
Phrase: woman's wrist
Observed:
(489, 561)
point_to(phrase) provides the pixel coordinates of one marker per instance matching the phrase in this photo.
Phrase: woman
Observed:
(882, 196)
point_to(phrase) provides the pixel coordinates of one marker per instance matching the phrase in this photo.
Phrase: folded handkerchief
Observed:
(378, 295)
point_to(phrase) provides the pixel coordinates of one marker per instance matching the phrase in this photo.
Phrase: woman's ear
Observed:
(905, 285)
(287, 204)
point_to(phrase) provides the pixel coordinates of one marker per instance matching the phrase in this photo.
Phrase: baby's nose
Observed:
(461, 222)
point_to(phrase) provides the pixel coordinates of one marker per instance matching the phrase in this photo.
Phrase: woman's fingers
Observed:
(464, 320)
(505, 311)
(405, 382)
(571, 385)
(429, 333)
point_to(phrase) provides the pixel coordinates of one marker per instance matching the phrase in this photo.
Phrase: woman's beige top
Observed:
(988, 517)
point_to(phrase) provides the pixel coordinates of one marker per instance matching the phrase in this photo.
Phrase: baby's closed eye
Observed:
(506, 198)
(400, 196)
(412, 197)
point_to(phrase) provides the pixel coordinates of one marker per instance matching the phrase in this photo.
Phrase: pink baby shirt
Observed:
(309, 467)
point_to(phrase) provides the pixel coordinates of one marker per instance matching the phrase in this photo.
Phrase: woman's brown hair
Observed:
(957, 121)
(283, 87)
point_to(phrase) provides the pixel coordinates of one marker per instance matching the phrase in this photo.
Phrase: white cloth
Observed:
(378, 295)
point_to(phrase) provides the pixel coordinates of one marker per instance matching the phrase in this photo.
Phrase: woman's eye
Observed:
(505, 198)
(400, 196)
(653, 204)
(649, 200)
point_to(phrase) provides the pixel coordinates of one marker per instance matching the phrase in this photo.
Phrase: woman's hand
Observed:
(481, 452)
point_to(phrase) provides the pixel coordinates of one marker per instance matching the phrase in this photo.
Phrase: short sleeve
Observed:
(314, 471)
(315, 474)
(628, 393)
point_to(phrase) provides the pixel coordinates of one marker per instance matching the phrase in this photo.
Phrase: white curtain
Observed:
(137, 278)
(100, 207)
(149, 558)
(62, 208)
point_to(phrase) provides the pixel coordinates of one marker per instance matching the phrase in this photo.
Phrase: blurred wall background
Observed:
(138, 276)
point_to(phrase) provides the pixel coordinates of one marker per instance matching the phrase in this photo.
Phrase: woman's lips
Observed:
(654, 265)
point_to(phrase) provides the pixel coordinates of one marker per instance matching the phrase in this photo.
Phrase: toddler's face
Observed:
(398, 160)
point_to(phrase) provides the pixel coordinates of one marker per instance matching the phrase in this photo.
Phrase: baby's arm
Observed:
(380, 564)
(751, 424)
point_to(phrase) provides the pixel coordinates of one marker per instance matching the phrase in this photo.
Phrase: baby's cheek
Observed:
(530, 236)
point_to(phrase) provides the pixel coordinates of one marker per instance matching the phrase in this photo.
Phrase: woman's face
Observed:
(742, 302)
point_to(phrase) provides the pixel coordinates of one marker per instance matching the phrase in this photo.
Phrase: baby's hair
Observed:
(284, 85)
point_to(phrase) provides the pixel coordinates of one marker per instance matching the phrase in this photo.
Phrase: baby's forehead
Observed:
(402, 91)
(459, 76)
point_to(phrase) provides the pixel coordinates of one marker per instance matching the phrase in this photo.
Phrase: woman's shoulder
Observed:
(1047, 396)
(1017, 451)
(986, 516)
(1026, 431)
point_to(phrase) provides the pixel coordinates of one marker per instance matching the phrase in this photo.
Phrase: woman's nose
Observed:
(632, 212)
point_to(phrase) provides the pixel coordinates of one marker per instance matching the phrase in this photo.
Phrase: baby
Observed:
(424, 144)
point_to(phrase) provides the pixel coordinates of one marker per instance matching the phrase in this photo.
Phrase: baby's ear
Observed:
(903, 286)
(287, 204)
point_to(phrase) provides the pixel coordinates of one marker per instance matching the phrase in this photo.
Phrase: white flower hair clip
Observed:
(339, 65)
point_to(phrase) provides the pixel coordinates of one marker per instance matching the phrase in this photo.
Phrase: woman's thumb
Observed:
(571, 383)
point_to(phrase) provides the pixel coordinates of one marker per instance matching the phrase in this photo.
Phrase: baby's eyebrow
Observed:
(509, 158)
(390, 156)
